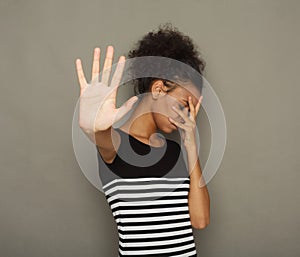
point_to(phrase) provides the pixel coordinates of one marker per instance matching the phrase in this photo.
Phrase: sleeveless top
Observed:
(147, 189)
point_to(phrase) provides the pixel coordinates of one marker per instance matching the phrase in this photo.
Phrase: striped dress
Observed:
(147, 189)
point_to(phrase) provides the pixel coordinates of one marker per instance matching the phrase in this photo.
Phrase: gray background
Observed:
(49, 208)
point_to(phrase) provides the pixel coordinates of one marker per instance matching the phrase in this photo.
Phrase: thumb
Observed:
(126, 107)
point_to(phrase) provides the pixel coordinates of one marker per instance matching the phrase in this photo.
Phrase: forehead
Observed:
(183, 92)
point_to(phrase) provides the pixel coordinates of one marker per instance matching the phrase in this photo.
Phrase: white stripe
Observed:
(150, 194)
(142, 187)
(159, 218)
(156, 251)
(161, 226)
(160, 234)
(156, 243)
(142, 179)
(157, 210)
(185, 254)
(156, 202)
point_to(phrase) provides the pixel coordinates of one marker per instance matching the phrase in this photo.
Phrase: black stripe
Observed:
(153, 206)
(147, 198)
(136, 240)
(159, 230)
(165, 254)
(156, 222)
(155, 247)
(146, 215)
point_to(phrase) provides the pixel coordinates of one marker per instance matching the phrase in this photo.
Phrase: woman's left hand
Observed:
(188, 128)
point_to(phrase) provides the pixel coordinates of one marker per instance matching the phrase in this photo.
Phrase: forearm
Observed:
(199, 202)
(103, 138)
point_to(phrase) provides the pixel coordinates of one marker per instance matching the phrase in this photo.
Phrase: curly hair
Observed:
(168, 42)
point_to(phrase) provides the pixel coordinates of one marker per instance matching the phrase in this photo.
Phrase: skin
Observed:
(158, 109)
(155, 109)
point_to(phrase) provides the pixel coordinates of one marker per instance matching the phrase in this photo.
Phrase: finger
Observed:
(186, 112)
(80, 75)
(199, 104)
(181, 114)
(126, 107)
(192, 108)
(118, 72)
(178, 124)
(107, 65)
(96, 64)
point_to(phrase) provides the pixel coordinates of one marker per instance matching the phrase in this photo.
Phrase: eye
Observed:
(181, 106)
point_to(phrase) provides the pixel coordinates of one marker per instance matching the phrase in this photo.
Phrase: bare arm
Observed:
(198, 198)
(108, 142)
(199, 202)
(97, 109)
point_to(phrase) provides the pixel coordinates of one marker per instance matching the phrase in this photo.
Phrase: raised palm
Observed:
(97, 110)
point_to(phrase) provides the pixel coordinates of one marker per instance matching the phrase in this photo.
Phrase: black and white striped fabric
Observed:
(149, 203)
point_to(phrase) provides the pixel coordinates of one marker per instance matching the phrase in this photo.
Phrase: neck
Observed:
(141, 122)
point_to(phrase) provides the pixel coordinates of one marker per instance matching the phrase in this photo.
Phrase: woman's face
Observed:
(162, 107)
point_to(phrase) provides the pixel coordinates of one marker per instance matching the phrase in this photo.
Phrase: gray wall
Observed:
(49, 208)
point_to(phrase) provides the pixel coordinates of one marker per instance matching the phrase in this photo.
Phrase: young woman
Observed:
(155, 206)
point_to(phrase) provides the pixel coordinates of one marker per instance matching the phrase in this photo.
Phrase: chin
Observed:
(168, 128)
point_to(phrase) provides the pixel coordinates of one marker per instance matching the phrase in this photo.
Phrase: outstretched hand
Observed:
(97, 111)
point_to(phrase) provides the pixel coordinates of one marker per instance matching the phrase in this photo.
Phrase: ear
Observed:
(158, 89)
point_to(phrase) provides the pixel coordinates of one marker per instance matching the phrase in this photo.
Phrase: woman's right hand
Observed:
(97, 110)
